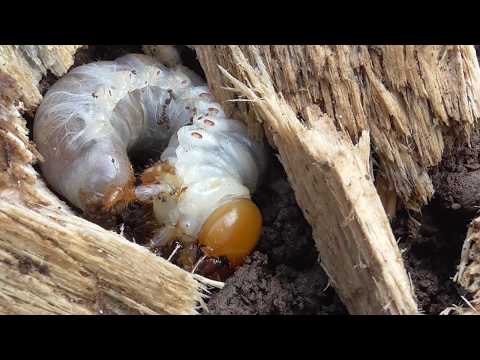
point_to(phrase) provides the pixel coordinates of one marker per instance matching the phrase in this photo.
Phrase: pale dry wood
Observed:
(27, 64)
(52, 261)
(408, 97)
(468, 274)
(333, 184)
(466, 311)
(387, 196)
(469, 309)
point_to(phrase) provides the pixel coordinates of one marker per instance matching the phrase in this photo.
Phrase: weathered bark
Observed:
(51, 261)
(332, 180)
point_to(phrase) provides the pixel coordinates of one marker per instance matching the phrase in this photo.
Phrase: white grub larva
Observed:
(97, 114)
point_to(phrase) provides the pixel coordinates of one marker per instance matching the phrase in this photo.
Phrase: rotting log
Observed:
(407, 98)
(315, 103)
(52, 261)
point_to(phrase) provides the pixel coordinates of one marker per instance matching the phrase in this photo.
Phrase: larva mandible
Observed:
(97, 114)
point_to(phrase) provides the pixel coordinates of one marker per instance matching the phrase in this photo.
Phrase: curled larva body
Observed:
(91, 119)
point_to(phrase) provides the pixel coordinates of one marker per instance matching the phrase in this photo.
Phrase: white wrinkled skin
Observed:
(98, 113)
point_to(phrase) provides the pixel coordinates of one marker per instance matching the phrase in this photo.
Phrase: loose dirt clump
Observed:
(457, 181)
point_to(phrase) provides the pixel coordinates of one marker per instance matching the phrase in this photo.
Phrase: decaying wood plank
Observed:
(333, 184)
(468, 274)
(56, 264)
(27, 64)
(408, 97)
(52, 261)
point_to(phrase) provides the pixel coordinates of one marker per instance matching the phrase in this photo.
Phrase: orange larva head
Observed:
(232, 231)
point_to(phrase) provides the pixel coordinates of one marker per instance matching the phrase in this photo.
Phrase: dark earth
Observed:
(283, 276)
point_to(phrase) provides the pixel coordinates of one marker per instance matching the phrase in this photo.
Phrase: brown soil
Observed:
(432, 241)
(283, 277)
(431, 250)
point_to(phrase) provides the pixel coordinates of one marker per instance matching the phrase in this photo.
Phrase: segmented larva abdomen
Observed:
(98, 113)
